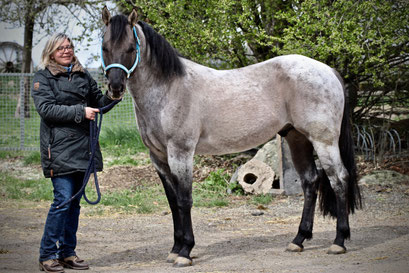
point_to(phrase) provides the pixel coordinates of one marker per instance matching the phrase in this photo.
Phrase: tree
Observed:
(365, 40)
(47, 17)
(218, 33)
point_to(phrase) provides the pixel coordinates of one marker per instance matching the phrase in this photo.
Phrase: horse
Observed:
(184, 108)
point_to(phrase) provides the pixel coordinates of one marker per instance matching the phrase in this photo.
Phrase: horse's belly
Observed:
(228, 140)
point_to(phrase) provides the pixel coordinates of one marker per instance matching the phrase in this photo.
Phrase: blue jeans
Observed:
(62, 224)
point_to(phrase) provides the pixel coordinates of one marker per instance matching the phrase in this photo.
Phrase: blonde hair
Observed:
(51, 46)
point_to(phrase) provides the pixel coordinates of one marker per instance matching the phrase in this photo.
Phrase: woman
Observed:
(66, 97)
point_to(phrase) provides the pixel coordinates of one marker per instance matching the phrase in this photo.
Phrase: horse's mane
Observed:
(117, 26)
(162, 53)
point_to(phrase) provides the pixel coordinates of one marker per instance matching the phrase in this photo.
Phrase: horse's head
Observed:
(120, 51)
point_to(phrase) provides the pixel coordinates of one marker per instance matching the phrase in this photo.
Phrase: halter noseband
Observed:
(137, 59)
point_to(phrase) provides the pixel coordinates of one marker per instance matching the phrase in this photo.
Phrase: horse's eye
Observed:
(130, 50)
(104, 49)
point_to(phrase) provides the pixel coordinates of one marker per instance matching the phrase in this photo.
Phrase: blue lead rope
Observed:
(95, 129)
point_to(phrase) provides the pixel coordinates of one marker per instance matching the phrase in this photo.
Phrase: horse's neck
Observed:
(146, 91)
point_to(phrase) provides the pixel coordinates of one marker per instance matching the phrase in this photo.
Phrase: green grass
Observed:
(122, 145)
(28, 189)
(141, 200)
(32, 158)
(262, 199)
(120, 141)
(213, 191)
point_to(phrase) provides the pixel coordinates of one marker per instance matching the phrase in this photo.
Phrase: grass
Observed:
(213, 191)
(262, 199)
(121, 141)
(32, 158)
(124, 145)
(141, 200)
(28, 189)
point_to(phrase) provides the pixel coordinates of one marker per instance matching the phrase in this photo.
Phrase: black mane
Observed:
(162, 53)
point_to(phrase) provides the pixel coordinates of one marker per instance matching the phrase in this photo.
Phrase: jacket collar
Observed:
(56, 69)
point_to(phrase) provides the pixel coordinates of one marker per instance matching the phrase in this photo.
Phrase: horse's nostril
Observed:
(116, 87)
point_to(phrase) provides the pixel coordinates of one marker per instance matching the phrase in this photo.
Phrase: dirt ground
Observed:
(228, 239)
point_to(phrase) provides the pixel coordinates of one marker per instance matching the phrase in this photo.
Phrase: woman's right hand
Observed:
(90, 113)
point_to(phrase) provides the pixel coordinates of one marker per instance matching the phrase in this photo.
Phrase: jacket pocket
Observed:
(66, 147)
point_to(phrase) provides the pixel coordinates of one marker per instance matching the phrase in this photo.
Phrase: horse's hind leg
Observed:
(330, 158)
(303, 160)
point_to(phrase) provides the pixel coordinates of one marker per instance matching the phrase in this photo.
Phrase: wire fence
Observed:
(20, 122)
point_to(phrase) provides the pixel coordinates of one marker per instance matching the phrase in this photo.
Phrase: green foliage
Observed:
(236, 188)
(32, 158)
(125, 160)
(213, 32)
(139, 200)
(366, 41)
(121, 141)
(213, 191)
(262, 199)
(28, 189)
(10, 154)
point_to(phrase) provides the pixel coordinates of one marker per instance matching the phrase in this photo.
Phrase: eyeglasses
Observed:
(63, 48)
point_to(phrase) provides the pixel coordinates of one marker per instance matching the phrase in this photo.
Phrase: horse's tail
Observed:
(328, 203)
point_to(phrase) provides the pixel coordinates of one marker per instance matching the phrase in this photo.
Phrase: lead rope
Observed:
(95, 129)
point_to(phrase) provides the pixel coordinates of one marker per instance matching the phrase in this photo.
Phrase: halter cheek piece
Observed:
(137, 59)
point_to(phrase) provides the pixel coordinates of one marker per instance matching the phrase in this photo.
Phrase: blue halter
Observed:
(137, 59)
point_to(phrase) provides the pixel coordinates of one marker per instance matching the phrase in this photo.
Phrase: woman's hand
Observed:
(90, 113)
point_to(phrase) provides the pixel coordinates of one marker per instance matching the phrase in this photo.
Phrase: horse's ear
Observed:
(106, 16)
(133, 18)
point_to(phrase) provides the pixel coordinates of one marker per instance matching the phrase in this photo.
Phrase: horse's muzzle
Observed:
(116, 93)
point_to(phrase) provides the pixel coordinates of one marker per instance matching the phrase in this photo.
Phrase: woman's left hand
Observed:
(90, 113)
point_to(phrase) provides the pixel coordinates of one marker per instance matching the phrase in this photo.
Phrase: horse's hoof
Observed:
(182, 262)
(171, 257)
(336, 249)
(294, 248)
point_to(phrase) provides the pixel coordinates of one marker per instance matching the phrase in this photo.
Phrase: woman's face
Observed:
(64, 54)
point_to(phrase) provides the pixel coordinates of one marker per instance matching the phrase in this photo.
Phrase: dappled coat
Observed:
(60, 99)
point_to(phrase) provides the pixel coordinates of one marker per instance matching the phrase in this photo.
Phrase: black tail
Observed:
(328, 203)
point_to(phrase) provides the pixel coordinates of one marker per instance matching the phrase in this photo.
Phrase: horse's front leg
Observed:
(168, 182)
(179, 193)
(181, 167)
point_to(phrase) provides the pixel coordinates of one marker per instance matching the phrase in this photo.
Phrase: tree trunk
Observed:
(27, 50)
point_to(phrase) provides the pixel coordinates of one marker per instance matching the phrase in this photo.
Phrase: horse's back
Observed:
(242, 108)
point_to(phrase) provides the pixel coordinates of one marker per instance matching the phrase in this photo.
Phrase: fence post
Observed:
(22, 112)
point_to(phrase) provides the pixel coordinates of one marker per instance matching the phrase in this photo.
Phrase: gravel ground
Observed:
(228, 239)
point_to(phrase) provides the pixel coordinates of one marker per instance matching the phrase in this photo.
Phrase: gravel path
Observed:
(227, 239)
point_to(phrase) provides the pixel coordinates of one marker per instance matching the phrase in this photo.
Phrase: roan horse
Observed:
(184, 109)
